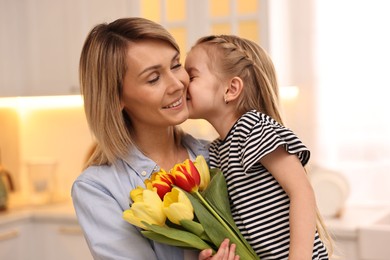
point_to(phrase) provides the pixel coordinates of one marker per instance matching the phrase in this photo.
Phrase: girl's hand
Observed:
(225, 252)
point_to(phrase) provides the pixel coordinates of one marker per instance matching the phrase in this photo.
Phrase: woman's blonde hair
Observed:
(103, 65)
(232, 56)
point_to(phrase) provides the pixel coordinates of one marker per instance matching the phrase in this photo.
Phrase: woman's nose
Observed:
(177, 82)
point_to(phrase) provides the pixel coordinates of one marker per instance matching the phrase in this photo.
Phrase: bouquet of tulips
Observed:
(187, 207)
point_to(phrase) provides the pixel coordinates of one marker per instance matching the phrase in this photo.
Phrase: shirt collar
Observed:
(144, 166)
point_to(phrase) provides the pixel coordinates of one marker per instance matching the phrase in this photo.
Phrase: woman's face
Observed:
(155, 85)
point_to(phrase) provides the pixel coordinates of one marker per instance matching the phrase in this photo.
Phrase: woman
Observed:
(134, 90)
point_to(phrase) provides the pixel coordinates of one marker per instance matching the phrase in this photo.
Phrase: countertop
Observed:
(353, 217)
(55, 211)
(346, 226)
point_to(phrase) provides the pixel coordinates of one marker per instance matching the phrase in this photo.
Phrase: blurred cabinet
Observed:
(189, 20)
(60, 241)
(41, 41)
(14, 239)
(346, 248)
(43, 239)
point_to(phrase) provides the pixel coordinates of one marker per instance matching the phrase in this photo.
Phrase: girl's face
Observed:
(155, 85)
(205, 92)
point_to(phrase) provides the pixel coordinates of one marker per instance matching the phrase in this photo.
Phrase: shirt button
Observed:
(155, 168)
(143, 173)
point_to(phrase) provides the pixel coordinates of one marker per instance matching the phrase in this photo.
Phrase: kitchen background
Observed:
(332, 58)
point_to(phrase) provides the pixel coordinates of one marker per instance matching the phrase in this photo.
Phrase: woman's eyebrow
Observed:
(175, 57)
(154, 67)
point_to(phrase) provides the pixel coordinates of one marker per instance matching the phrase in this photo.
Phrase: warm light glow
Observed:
(41, 102)
(289, 92)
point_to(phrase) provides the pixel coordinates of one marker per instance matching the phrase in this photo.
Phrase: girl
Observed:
(233, 86)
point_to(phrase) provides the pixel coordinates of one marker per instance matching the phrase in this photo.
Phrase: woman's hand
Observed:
(225, 252)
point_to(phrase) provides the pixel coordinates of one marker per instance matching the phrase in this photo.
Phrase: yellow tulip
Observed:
(147, 206)
(204, 172)
(136, 195)
(177, 206)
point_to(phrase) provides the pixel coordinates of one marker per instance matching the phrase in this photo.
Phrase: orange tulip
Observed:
(186, 176)
(160, 181)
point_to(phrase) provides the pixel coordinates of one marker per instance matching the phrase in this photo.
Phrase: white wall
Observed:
(353, 62)
(337, 52)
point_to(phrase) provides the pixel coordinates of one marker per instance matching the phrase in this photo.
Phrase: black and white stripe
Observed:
(260, 207)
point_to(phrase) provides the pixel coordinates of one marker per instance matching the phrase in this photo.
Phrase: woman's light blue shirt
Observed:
(101, 194)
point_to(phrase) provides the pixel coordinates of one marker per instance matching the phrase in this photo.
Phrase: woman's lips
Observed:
(174, 104)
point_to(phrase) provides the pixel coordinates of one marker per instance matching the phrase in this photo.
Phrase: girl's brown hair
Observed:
(103, 65)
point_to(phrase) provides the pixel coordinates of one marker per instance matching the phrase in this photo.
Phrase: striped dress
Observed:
(259, 205)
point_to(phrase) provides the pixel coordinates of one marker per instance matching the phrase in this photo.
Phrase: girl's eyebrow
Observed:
(192, 69)
(154, 67)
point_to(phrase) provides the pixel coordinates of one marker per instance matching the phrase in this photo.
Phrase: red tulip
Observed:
(186, 176)
(160, 181)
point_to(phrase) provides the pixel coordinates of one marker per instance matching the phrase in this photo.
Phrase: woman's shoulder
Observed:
(196, 145)
(106, 177)
(115, 181)
(94, 173)
(191, 141)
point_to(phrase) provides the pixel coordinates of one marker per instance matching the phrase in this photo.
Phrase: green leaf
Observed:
(216, 194)
(218, 231)
(175, 237)
(195, 228)
(165, 240)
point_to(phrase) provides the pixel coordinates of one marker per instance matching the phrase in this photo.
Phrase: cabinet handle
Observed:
(70, 230)
(9, 235)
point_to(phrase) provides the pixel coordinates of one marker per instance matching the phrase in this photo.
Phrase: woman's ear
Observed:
(234, 89)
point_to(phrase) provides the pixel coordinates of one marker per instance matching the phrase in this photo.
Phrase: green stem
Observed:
(216, 215)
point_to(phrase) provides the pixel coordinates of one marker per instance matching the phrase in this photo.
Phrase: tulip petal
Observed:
(203, 169)
(177, 206)
(161, 181)
(137, 194)
(193, 171)
(186, 176)
(149, 213)
(177, 211)
(147, 207)
(128, 215)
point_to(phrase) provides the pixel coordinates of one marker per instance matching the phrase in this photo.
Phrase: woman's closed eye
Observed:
(176, 66)
(153, 78)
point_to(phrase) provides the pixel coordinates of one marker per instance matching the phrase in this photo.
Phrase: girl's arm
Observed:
(289, 172)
